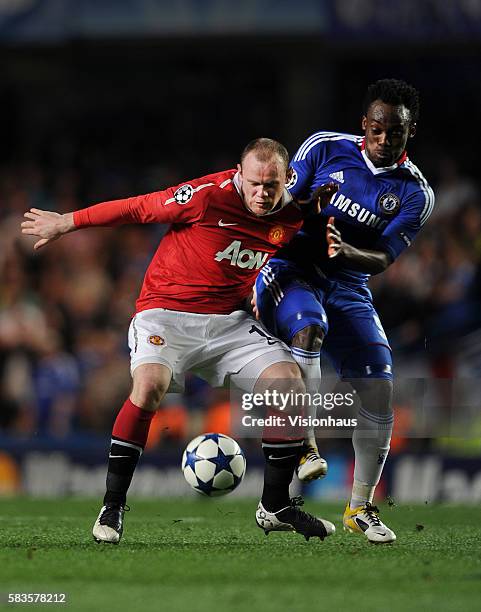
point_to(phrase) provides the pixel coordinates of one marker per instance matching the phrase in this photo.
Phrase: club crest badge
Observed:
(389, 204)
(156, 340)
(276, 234)
(184, 194)
(293, 180)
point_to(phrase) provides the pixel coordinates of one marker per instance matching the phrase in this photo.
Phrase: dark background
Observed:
(193, 102)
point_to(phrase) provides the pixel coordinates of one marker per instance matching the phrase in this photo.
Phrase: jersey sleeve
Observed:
(305, 163)
(400, 232)
(184, 203)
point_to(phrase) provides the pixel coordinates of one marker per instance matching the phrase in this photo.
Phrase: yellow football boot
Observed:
(365, 519)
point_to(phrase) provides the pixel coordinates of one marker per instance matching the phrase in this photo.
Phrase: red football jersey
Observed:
(208, 260)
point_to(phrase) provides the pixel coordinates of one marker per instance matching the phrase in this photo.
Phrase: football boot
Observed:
(110, 524)
(365, 519)
(291, 518)
(311, 465)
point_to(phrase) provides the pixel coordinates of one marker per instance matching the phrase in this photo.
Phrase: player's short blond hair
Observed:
(265, 149)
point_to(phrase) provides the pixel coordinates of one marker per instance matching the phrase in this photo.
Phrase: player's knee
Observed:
(147, 394)
(287, 371)
(375, 394)
(149, 386)
(310, 338)
(283, 381)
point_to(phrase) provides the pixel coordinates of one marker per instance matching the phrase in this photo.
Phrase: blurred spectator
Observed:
(453, 191)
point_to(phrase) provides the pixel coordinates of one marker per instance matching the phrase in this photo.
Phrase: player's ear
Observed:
(239, 169)
(289, 174)
(412, 130)
(364, 122)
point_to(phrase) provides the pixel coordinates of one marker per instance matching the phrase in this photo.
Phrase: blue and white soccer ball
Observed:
(213, 464)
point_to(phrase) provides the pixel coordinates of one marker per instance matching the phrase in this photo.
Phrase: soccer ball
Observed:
(213, 464)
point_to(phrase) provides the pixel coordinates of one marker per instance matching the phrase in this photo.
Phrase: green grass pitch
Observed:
(205, 555)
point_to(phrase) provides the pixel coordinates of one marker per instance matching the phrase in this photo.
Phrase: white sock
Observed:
(309, 363)
(370, 440)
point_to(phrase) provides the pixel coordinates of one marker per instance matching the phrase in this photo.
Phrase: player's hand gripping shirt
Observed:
(374, 208)
(208, 260)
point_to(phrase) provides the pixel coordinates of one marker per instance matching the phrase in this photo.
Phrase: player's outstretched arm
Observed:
(47, 225)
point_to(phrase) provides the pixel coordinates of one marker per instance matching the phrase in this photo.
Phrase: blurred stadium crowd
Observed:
(64, 311)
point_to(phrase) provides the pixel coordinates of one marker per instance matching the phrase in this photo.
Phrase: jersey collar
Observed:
(376, 170)
(286, 197)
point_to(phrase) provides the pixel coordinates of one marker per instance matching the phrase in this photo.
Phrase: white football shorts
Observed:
(213, 346)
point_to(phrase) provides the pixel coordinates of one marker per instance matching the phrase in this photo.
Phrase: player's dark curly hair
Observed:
(393, 91)
(265, 149)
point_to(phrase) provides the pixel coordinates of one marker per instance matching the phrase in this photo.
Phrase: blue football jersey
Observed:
(375, 208)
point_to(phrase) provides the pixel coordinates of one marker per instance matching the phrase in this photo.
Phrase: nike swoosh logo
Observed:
(222, 224)
(278, 458)
(117, 456)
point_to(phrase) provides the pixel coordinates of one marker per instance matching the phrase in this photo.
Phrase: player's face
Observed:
(386, 129)
(262, 183)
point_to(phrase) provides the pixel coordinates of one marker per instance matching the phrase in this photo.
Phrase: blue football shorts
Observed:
(290, 299)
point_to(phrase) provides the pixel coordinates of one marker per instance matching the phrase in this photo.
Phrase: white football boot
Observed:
(110, 524)
(291, 518)
(311, 465)
(365, 519)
